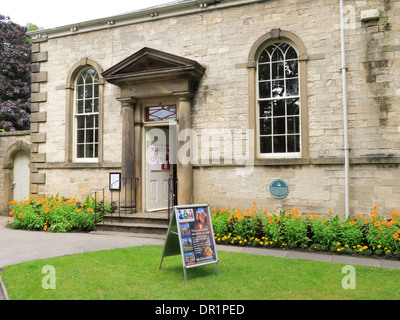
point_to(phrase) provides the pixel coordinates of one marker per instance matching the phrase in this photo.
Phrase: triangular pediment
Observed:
(151, 64)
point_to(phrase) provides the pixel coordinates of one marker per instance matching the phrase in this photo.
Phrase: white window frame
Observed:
(76, 115)
(281, 155)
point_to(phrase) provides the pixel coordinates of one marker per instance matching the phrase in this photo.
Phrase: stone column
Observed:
(128, 152)
(184, 170)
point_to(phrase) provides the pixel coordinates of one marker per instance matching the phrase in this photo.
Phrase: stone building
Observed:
(227, 97)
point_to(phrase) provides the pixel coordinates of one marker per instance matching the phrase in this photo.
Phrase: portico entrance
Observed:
(156, 91)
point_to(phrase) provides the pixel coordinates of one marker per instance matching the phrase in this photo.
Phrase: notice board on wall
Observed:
(191, 234)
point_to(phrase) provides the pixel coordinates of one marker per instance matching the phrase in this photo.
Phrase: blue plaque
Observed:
(279, 189)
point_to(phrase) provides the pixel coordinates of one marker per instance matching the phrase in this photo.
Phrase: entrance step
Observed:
(148, 224)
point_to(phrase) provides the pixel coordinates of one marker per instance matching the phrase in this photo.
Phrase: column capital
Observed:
(128, 101)
(184, 95)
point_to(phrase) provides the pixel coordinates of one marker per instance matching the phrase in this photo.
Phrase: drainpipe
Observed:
(346, 133)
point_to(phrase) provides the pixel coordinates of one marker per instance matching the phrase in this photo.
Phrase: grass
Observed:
(133, 274)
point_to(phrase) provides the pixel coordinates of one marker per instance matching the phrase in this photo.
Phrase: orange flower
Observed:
(330, 211)
(352, 223)
(11, 213)
(358, 215)
(377, 223)
(21, 214)
(396, 235)
(45, 228)
(201, 199)
(89, 209)
(374, 207)
(47, 210)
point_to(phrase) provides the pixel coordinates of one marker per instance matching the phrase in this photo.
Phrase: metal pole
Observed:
(345, 120)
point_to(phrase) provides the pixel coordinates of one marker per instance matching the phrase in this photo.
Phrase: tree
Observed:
(15, 76)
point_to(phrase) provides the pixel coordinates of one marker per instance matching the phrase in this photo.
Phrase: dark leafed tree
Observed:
(15, 76)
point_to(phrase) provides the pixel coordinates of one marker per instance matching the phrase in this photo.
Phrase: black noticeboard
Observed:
(191, 234)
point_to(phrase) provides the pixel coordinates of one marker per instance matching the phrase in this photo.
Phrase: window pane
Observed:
(293, 143)
(89, 151)
(264, 72)
(80, 106)
(89, 77)
(293, 125)
(292, 87)
(278, 55)
(278, 88)
(96, 105)
(81, 122)
(291, 54)
(279, 108)
(161, 113)
(89, 136)
(265, 90)
(280, 144)
(265, 109)
(265, 127)
(89, 122)
(292, 69)
(96, 150)
(278, 70)
(96, 135)
(284, 47)
(88, 106)
(80, 151)
(81, 136)
(264, 57)
(279, 125)
(88, 92)
(293, 107)
(80, 92)
(265, 145)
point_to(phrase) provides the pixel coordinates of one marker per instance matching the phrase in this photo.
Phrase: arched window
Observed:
(279, 100)
(86, 116)
(278, 112)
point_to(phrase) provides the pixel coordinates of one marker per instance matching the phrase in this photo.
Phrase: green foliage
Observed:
(364, 235)
(56, 214)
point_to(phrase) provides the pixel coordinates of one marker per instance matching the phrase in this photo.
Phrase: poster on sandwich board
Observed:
(191, 234)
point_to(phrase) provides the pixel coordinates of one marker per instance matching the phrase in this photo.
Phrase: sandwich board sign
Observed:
(191, 234)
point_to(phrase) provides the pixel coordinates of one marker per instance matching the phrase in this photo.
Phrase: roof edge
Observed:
(167, 10)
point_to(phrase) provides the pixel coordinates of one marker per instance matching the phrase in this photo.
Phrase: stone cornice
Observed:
(172, 9)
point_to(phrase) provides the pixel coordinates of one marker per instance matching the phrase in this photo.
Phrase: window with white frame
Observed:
(86, 116)
(279, 109)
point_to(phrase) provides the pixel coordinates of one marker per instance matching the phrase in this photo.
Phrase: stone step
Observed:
(147, 225)
(132, 219)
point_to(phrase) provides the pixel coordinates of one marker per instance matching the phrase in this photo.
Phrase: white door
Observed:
(21, 176)
(158, 168)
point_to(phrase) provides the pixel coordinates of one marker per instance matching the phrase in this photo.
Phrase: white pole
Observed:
(345, 120)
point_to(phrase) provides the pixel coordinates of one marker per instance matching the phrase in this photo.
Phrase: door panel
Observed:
(21, 176)
(158, 168)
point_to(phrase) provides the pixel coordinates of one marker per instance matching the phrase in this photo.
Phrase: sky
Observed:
(48, 14)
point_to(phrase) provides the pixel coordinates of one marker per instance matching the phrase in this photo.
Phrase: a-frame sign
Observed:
(191, 234)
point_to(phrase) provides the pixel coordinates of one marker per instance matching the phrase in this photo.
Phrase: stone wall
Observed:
(220, 40)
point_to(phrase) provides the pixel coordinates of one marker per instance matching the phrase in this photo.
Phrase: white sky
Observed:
(51, 13)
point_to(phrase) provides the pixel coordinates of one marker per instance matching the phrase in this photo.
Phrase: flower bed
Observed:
(363, 234)
(55, 214)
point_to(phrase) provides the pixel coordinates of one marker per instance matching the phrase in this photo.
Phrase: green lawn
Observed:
(133, 274)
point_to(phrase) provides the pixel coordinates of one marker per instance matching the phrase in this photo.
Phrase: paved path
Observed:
(17, 246)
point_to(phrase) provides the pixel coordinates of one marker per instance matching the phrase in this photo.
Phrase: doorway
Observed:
(160, 170)
(21, 173)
